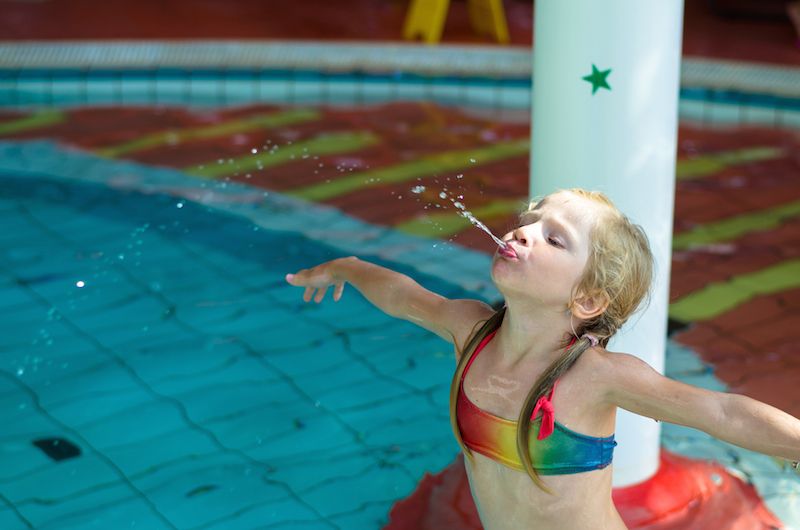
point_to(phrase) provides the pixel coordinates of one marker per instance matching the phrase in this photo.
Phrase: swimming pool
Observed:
(157, 336)
(199, 388)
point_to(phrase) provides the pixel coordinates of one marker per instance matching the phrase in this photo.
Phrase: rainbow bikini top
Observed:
(556, 450)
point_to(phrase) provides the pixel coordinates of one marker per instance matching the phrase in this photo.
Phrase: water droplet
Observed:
(418, 189)
(80, 283)
(179, 205)
(472, 160)
(442, 195)
(254, 150)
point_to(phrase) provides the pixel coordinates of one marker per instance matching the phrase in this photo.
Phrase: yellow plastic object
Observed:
(488, 18)
(425, 19)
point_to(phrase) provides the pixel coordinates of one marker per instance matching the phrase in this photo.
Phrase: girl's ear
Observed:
(587, 307)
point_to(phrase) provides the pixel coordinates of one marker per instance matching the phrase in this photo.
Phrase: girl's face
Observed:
(550, 250)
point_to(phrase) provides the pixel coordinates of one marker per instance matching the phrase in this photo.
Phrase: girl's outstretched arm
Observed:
(632, 384)
(393, 293)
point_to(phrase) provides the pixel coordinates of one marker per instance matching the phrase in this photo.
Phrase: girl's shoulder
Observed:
(466, 316)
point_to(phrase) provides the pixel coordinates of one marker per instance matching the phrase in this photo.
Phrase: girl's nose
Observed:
(519, 235)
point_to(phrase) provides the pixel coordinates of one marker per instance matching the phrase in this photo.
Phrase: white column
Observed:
(621, 140)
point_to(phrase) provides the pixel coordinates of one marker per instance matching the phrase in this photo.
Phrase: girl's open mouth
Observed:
(508, 253)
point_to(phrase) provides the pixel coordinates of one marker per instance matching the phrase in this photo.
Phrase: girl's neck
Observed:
(526, 334)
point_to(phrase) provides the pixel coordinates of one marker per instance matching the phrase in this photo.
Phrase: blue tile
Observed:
(196, 355)
(372, 483)
(140, 421)
(342, 375)
(153, 339)
(289, 512)
(366, 418)
(148, 455)
(22, 336)
(97, 512)
(207, 370)
(43, 369)
(207, 490)
(315, 469)
(206, 403)
(22, 418)
(319, 434)
(361, 394)
(18, 456)
(307, 361)
(99, 382)
(407, 429)
(284, 336)
(368, 515)
(59, 480)
(137, 311)
(11, 521)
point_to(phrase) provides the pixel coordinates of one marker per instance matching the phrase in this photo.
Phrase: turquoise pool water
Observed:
(184, 384)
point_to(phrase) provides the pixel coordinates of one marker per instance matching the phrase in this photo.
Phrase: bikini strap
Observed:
(486, 339)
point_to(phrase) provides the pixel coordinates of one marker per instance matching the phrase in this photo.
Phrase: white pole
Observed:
(614, 131)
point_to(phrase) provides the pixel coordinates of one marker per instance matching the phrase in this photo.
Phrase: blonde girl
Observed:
(535, 393)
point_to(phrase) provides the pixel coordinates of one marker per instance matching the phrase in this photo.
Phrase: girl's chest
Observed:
(503, 392)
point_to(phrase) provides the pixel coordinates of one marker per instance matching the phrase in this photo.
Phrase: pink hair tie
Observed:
(591, 338)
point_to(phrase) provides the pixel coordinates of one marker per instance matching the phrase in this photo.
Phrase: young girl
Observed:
(535, 393)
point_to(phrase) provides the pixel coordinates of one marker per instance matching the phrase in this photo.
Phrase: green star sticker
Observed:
(598, 79)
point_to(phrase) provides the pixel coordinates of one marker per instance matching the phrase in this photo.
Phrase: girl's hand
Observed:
(319, 279)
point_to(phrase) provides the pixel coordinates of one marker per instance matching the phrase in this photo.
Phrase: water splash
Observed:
(474, 220)
(463, 211)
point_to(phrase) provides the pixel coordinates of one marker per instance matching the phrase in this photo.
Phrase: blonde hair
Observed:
(620, 267)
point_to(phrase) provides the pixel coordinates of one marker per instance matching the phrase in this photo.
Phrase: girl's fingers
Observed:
(337, 291)
(308, 293)
(320, 294)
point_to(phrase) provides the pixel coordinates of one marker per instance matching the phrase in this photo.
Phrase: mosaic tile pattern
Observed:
(200, 389)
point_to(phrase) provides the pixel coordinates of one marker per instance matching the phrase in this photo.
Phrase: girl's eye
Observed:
(555, 242)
